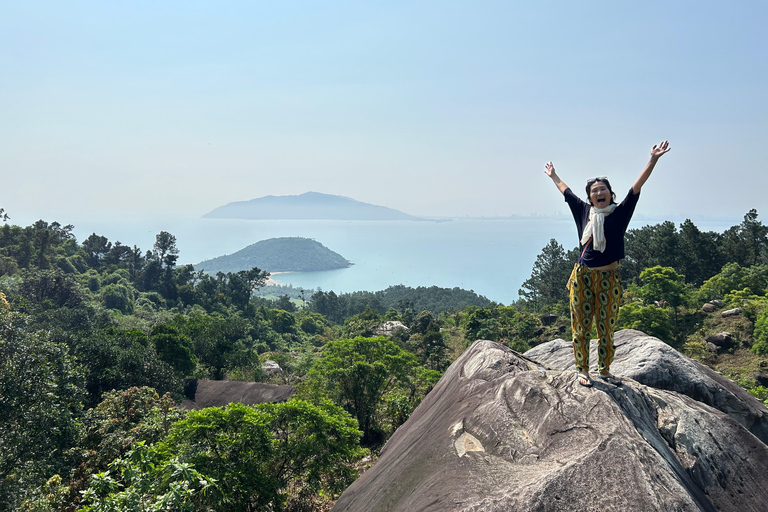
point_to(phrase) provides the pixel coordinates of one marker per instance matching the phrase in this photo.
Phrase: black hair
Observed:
(607, 184)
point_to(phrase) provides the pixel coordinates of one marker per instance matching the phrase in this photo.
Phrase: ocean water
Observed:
(490, 257)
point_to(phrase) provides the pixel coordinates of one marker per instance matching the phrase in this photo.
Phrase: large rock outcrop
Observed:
(652, 362)
(503, 432)
(218, 393)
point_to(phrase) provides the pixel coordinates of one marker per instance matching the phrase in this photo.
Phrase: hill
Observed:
(310, 205)
(287, 254)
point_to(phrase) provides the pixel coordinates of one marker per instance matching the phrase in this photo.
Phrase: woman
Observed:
(594, 286)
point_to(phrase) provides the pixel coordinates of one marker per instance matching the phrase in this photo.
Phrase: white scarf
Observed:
(595, 228)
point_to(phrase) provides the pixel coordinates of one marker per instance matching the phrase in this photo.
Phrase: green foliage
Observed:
(121, 358)
(212, 327)
(282, 321)
(356, 373)
(311, 323)
(695, 254)
(503, 324)
(427, 343)
(760, 346)
(482, 325)
(174, 348)
(145, 480)
(121, 420)
(650, 319)
(754, 280)
(362, 324)
(220, 343)
(41, 397)
(760, 392)
(649, 246)
(337, 308)
(546, 286)
(119, 297)
(662, 284)
(287, 254)
(753, 243)
(238, 458)
(700, 253)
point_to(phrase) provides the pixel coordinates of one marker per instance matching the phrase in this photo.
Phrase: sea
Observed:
(492, 257)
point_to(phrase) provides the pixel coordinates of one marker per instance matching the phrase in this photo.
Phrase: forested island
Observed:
(285, 254)
(96, 339)
(310, 205)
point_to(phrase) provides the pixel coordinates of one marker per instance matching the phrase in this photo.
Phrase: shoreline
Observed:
(272, 282)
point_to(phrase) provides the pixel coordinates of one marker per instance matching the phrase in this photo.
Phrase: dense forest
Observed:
(96, 339)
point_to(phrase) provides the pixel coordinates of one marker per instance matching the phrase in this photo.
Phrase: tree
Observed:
(650, 246)
(96, 248)
(356, 373)
(241, 285)
(516, 327)
(761, 334)
(41, 397)
(482, 325)
(237, 458)
(174, 348)
(753, 280)
(547, 284)
(284, 302)
(755, 238)
(701, 259)
(650, 319)
(165, 249)
(328, 305)
(664, 284)
(427, 342)
(362, 324)
(122, 419)
(117, 359)
(218, 342)
(119, 297)
(147, 480)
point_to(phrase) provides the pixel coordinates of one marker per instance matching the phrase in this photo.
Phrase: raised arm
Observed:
(550, 171)
(656, 153)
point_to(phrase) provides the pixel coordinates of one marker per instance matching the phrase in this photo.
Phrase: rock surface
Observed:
(499, 432)
(218, 393)
(652, 362)
(389, 328)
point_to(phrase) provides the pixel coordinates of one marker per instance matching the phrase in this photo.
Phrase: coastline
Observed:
(272, 282)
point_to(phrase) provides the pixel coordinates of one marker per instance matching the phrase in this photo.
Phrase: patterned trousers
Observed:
(594, 295)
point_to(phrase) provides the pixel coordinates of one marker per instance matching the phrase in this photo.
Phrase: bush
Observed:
(761, 334)
(119, 297)
(237, 458)
(652, 320)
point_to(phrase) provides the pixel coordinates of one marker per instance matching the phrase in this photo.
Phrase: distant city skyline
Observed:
(431, 108)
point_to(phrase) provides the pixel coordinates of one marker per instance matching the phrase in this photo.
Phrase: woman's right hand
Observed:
(550, 171)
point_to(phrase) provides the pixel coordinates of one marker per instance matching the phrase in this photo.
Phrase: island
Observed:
(307, 206)
(285, 254)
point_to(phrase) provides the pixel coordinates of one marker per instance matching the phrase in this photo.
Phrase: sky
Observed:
(435, 108)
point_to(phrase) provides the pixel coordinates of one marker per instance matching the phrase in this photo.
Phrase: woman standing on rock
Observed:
(594, 285)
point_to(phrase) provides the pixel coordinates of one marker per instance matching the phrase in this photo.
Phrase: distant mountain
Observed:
(310, 205)
(289, 254)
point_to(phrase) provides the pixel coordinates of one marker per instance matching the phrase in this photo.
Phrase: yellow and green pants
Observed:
(594, 295)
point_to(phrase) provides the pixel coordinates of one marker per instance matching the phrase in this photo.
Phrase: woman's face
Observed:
(599, 195)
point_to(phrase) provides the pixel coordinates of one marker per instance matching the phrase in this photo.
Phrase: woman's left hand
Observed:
(660, 149)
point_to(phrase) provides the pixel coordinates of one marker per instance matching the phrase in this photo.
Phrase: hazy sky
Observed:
(431, 107)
